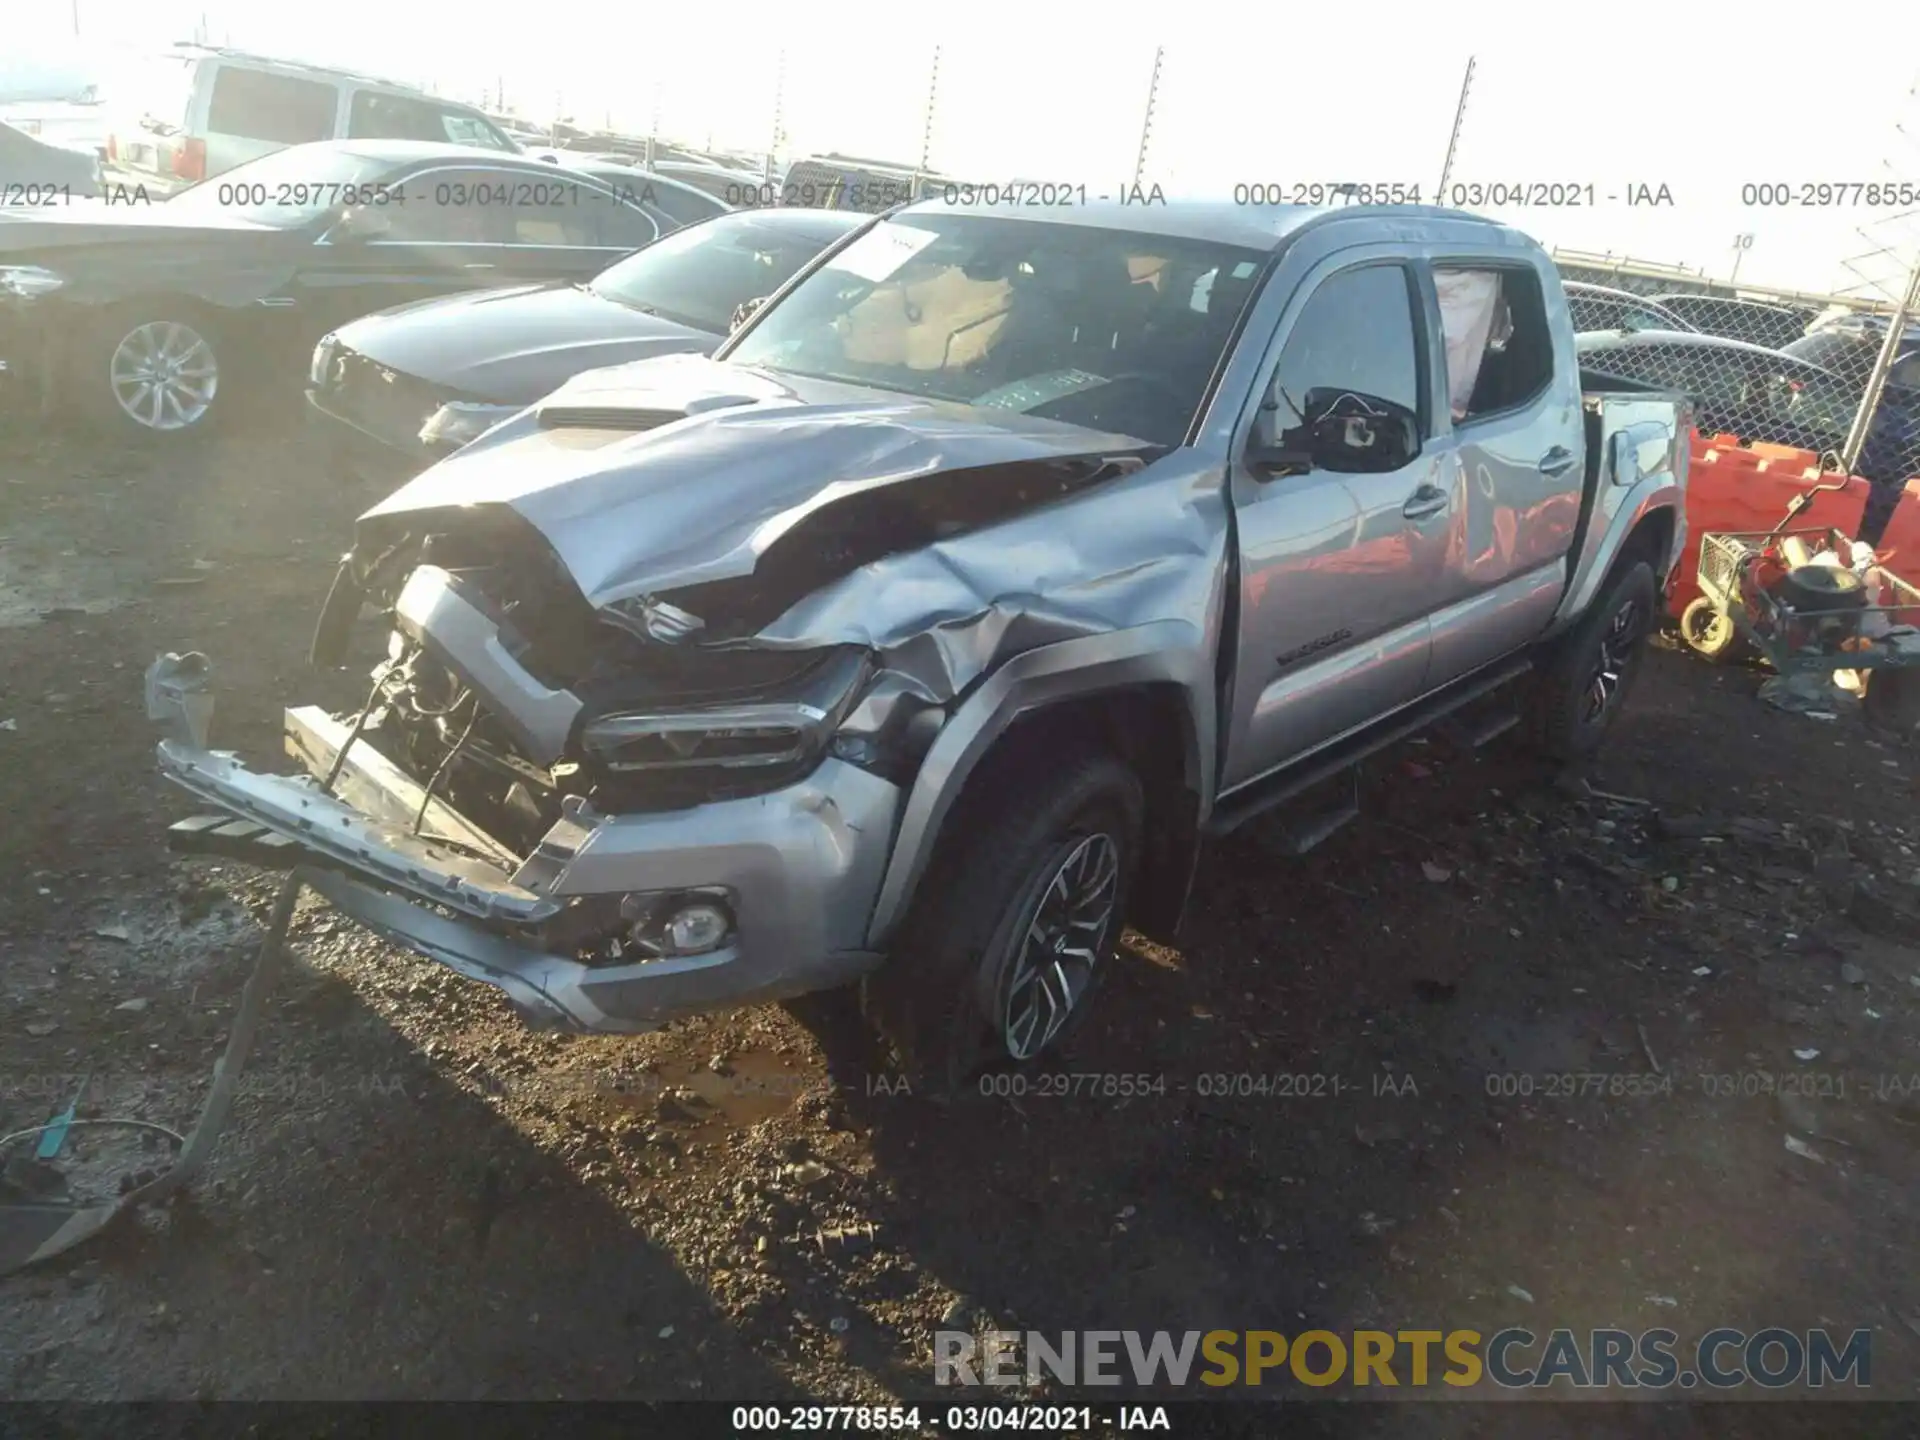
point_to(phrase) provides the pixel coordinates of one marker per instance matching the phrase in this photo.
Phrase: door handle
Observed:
(1556, 461)
(1426, 500)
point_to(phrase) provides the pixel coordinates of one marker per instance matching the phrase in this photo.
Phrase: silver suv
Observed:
(919, 637)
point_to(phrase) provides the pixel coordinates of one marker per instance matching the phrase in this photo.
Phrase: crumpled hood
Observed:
(743, 456)
(515, 344)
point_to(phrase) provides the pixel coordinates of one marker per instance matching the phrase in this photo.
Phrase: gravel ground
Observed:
(419, 1199)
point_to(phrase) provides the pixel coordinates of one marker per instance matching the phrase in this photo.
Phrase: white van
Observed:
(198, 110)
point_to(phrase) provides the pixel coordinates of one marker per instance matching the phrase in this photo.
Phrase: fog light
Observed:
(698, 928)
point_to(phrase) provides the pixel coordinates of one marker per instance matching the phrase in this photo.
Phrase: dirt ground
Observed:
(419, 1199)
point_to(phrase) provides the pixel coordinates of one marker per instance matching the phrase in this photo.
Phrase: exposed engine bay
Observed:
(668, 708)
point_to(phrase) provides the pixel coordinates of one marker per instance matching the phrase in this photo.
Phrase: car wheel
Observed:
(1585, 682)
(1708, 630)
(154, 373)
(1015, 926)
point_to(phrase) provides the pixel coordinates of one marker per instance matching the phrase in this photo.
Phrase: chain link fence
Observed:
(1839, 378)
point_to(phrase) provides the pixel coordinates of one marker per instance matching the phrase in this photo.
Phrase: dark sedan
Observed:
(32, 172)
(394, 391)
(1850, 347)
(1737, 389)
(152, 315)
(1752, 321)
(1595, 307)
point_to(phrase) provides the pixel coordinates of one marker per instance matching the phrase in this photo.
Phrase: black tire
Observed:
(1571, 710)
(941, 999)
(115, 338)
(1709, 631)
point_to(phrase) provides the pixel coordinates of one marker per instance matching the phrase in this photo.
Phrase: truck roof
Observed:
(1253, 227)
(198, 50)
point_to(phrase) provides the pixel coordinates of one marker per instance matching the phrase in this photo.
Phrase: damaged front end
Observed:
(659, 678)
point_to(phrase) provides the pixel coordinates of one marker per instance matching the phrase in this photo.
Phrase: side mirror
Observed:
(1339, 430)
(363, 222)
(744, 311)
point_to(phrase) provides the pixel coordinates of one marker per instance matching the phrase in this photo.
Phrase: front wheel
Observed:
(150, 372)
(1015, 925)
(1585, 682)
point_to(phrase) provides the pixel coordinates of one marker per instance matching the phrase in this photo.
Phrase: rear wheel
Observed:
(1585, 681)
(1015, 924)
(1709, 630)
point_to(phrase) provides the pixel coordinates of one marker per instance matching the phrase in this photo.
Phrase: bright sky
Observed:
(1698, 95)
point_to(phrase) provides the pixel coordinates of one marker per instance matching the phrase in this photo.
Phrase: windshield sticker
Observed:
(880, 252)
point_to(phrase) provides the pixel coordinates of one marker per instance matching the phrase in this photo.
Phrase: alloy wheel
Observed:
(164, 375)
(1061, 946)
(1617, 642)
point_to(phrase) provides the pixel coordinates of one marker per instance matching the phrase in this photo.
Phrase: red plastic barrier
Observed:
(1730, 487)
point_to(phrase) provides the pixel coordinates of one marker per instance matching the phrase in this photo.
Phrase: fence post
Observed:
(1877, 380)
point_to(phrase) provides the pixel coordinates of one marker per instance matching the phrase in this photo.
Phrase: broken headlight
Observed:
(749, 735)
(461, 422)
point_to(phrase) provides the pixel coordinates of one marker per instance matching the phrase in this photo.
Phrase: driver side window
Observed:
(1355, 335)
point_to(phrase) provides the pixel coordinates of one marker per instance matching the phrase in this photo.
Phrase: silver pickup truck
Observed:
(920, 636)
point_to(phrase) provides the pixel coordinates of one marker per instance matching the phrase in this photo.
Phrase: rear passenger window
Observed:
(683, 207)
(549, 212)
(378, 116)
(257, 105)
(1499, 347)
(624, 226)
(1356, 333)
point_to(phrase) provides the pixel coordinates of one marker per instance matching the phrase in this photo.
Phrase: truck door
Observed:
(1510, 449)
(1336, 567)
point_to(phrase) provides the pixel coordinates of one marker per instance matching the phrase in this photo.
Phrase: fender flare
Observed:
(1660, 492)
(1165, 652)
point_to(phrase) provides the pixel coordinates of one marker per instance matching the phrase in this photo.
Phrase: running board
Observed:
(1477, 732)
(1309, 831)
(1233, 810)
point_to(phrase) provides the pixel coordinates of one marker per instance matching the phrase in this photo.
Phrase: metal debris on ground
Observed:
(846, 1237)
(1805, 692)
(1797, 1146)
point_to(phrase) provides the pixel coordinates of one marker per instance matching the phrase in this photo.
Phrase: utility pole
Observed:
(76, 19)
(1146, 121)
(779, 95)
(926, 125)
(1453, 140)
(653, 132)
(1877, 381)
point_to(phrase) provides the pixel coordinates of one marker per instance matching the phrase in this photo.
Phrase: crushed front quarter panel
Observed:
(1145, 548)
